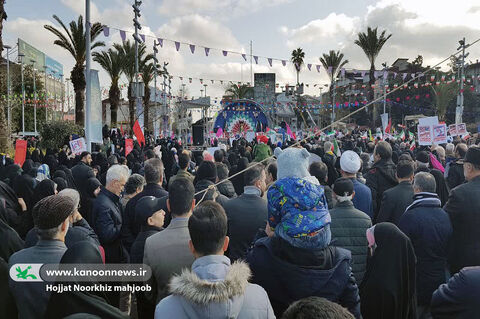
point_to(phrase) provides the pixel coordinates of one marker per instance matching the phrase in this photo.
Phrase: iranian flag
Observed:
(336, 149)
(411, 136)
(402, 135)
(412, 144)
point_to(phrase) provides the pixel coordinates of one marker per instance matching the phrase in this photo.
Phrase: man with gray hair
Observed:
(51, 217)
(79, 229)
(154, 178)
(107, 214)
(429, 229)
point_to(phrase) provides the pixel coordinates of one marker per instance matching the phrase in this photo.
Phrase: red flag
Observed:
(389, 126)
(20, 152)
(138, 133)
(128, 146)
(121, 129)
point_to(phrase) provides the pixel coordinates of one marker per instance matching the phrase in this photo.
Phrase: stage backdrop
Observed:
(240, 116)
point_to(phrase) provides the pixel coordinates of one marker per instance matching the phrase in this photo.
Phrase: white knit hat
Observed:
(350, 162)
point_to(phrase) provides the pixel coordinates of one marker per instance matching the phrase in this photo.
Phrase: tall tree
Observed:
(4, 134)
(112, 62)
(74, 42)
(241, 91)
(127, 51)
(148, 72)
(297, 59)
(444, 94)
(371, 44)
(333, 62)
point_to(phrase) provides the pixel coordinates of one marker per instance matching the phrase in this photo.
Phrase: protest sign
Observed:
(452, 129)
(440, 134)
(461, 129)
(424, 134)
(78, 146)
(128, 146)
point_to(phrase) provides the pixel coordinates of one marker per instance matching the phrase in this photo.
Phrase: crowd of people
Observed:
(324, 228)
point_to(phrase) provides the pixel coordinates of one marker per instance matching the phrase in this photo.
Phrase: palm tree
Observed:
(112, 62)
(334, 61)
(4, 134)
(297, 59)
(127, 51)
(74, 42)
(444, 93)
(148, 72)
(241, 91)
(372, 44)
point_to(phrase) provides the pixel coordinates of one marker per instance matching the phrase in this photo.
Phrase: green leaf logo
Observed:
(23, 274)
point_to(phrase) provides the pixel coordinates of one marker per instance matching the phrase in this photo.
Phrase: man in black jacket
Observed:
(454, 169)
(381, 176)
(463, 207)
(246, 213)
(154, 178)
(396, 199)
(108, 217)
(82, 172)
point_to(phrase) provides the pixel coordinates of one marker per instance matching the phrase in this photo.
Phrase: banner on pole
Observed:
(440, 134)
(424, 134)
(96, 135)
(20, 152)
(78, 146)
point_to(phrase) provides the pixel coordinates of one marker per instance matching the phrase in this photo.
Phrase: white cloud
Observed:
(232, 7)
(202, 30)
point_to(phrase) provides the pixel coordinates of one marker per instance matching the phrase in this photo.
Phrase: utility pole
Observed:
(62, 96)
(251, 63)
(34, 97)
(385, 75)
(54, 95)
(88, 99)
(137, 94)
(205, 85)
(21, 56)
(459, 110)
(155, 73)
(9, 111)
(46, 93)
(333, 101)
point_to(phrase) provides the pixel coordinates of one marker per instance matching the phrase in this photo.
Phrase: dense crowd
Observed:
(344, 228)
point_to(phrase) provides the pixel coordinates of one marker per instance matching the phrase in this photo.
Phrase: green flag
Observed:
(336, 149)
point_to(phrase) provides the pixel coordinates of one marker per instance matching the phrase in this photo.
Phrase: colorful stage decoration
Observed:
(241, 116)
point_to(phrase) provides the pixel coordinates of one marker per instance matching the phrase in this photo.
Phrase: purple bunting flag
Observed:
(106, 31)
(269, 61)
(342, 72)
(207, 50)
(123, 35)
(256, 59)
(224, 52)
(160, 42)
(404, 75)
(309, 66)
(330, 70)
(318, 68)
(143, 37)
(363, 74)
(284, 62)
(192, 48)
(177, 45)
(212, 81)
(244, 56)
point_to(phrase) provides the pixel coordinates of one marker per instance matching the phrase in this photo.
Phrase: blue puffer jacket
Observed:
(286, 282)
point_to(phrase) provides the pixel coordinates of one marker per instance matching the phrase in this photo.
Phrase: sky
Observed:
(275, 27)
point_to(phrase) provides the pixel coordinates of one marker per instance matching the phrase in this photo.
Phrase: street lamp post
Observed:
(54, 95)
(9, 111)
(34, 97)
(63, 96)
(21, 56)
(46, 93)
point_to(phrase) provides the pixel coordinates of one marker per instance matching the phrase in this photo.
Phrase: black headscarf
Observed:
(92, 184)
(10, 242)
(237, 181)
(37, 156)
(11, 199)
(64, 304)
(206, 171)
(60, 173)
(388, 287)
(11, 173)
(61, 183)
(24, 188)
(52, 163)
(43, 189)
(69, 176)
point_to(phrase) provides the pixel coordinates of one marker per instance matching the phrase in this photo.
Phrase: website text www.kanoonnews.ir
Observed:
(85, 277)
